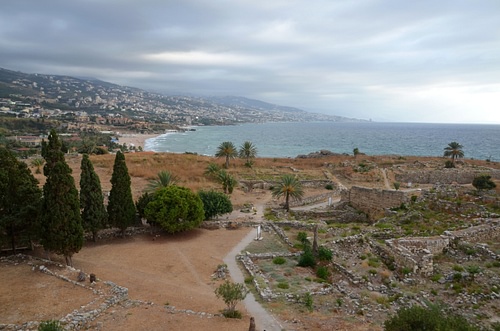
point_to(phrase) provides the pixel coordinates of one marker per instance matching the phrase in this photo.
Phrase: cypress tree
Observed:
(94, 214)
(121, 208)
(19, 198)
(61, 228)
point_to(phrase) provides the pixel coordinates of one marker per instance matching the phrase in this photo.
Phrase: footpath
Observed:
(264, 321)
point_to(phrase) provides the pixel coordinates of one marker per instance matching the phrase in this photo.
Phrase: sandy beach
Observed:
(135, 139)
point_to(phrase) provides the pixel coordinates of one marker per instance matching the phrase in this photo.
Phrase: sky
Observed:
(385, 60)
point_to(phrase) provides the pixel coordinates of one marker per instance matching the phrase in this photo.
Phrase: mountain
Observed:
(103, 98)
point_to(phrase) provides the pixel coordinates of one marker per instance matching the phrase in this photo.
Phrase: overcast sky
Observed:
(388, 60)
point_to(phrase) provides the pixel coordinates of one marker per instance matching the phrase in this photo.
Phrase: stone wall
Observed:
(444, 176)
(434, 245)
(249, 185)
(373, 202)
(480, 233)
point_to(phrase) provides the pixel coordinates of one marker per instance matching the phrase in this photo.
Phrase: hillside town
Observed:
(90, 102)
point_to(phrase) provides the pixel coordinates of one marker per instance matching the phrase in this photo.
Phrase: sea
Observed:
(290, 139)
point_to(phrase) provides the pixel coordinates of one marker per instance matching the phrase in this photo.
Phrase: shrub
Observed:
(249, 280)
(324, 254)
(449, 164)
(279, 260)
(215, 203)
(231, 293)
(302, 237)
(50, 326)
(322, 272)
(432, 318)
(308, 301)
(329, 186)
(175, 209)
(483, 182)
(307, 258)
(283, 285)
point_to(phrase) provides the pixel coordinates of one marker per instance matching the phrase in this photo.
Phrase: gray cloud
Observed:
(427, 61)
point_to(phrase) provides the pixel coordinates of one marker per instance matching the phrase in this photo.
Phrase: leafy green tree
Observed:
(231, 294)
(94, 215)
(355, 152)
(248, 151)
(433, 318)
(165, 178)
(19, 198)
(227, 150)
(454, 150)
(215, 203)
(483, 182)
(121, 208)
(175, 209)
(61, 228)
(288, 187)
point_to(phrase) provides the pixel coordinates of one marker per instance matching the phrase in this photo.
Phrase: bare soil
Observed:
(171, 270)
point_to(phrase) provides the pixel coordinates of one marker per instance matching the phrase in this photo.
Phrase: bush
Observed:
(308, 301)
(283, 285)
(432, 318)
(175, 209)
(50, 326)
(449, 164)
(307, 258)
(324, 254)
(329, 186)
(322, 272)
(302, 237)
(483, 182)
(231, 293)
(279, 260)
(215, 203)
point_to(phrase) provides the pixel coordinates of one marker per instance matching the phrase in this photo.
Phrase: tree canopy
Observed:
(215, 203)
(453, 150)
(483, 182)
(121, 207)
(231, 293)
(60, 221)
(289, 187)
(94, 215)
(227, 150)
(248, 151)
(175, 209)
(19, 198)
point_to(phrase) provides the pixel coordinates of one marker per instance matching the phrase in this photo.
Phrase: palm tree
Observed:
(227, 150)
(228, 182)
(38, 163)
(454, 150)
(289, 187)
(248, 151)
(165, 178)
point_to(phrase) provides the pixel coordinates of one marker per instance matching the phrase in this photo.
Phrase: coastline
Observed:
(135, 139)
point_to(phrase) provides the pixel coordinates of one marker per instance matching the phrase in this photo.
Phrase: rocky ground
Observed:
(169, 278)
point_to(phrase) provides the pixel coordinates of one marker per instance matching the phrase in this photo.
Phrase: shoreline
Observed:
(136, 139)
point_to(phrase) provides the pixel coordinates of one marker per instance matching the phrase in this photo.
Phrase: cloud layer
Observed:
(389, 60)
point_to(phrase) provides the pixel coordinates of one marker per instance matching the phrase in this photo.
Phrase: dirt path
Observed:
(386, 180)
(263, 319)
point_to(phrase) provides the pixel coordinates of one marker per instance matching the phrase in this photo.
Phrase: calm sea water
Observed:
(291, 139)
